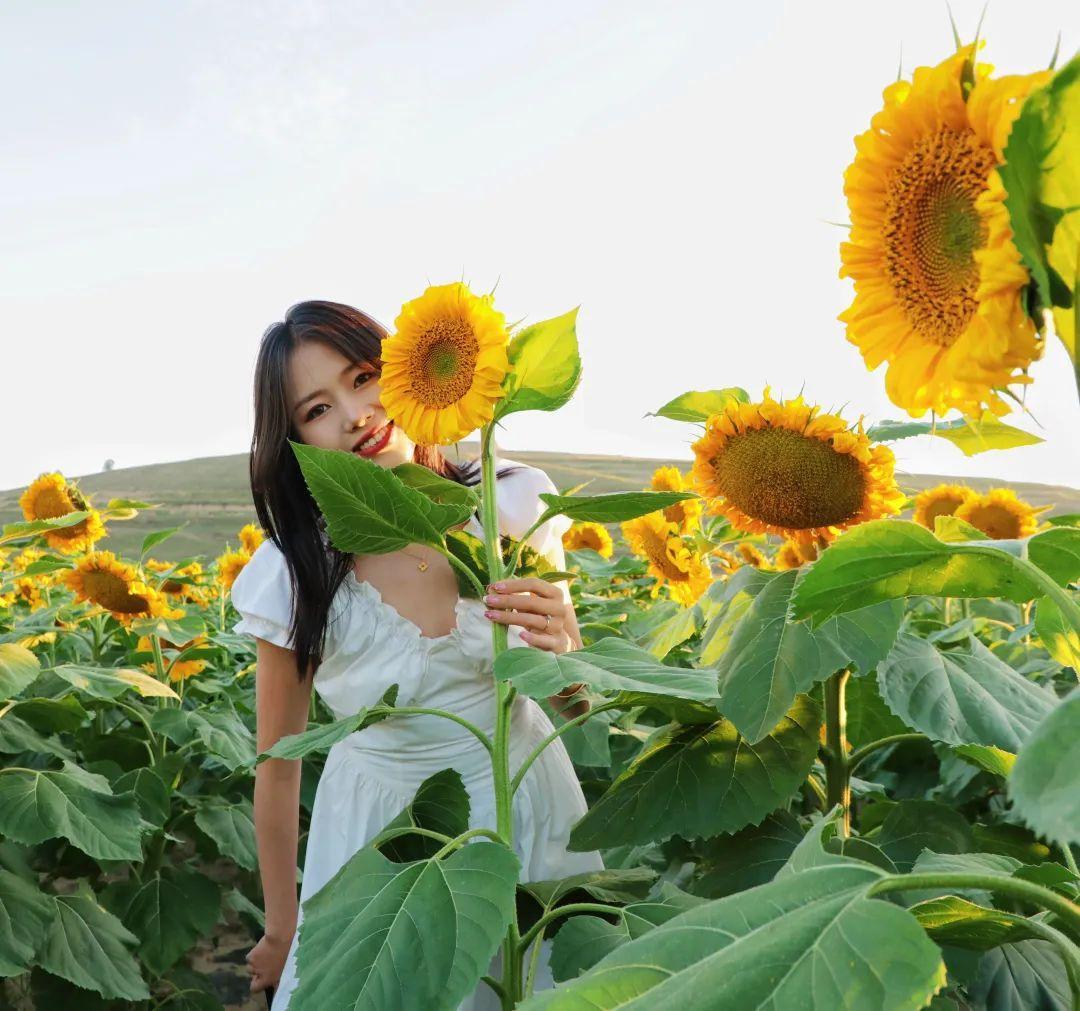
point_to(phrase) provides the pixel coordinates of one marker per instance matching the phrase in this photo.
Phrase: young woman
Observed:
(352, 625)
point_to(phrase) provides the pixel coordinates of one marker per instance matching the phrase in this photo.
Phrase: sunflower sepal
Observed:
(545, 367)
(696, 406)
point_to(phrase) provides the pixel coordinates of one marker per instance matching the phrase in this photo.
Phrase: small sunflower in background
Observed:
(792, 555)
(938, 280)
(751, 555)
(180, 670)
(941, 500)
(783, 468)
(230, 565)
(99, 577)
(189, 593)
(51, 496)
(589, 535)
(685, 573)
(444, 366)
(1000, 514)
(251, 536)
(686, 514)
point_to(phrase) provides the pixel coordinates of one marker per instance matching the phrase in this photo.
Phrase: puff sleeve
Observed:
(262, 595)
(519, 503)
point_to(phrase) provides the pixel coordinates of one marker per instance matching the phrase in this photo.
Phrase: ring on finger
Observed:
(547, 622)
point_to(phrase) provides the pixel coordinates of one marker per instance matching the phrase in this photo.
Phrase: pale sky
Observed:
(176, 175)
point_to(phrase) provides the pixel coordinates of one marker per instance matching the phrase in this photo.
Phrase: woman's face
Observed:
(334, 404)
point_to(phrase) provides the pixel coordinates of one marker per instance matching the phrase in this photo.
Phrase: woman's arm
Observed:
(281, 708)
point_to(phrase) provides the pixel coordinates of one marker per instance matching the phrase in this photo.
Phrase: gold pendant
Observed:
(423, 566)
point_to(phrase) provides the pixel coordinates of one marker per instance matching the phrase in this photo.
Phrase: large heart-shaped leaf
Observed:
(441, 804)
(369, 510)
(88, 946)
(168, 912)
(701, 780)
(750, 857)
(231, 824)
(890, 559)
(1042, 785)
(80, 806)
(770, 659)
(110, 682)
(961, 696)
(610, 664)
(18, 667)
(812, 940)
(396, 937)
(25, 912)
(217, 726)
(545, 366)
(1025, 976)
(914, 825)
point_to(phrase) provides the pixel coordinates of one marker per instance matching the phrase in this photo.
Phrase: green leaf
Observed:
(545, 367)
(17, 736)
(88, 946)
(811, 941)
(750, 857)
(770, 660)
(217, 726)
(952, 920)
(608, 665)
(914, 825)
(326, 735)
(110, 683)
(152, 794)
(929, 862)
(612, 885)
(48, 716)
(701, 780)
(961, 696)
(889, 559)
(441, 804)
(868, 718)
(992, 760)
(438, 489)
(385, 936)
(42, 804)
(1060, 639)
(698, 405)
(231, 824)
(1025, 976)
(18, 667)
(155, 538)
(969, 435)
(612, 507)
(1042, 183)
(369, 510)
(1042, 785)
(25, 913)
(28, 528)
(168, 912)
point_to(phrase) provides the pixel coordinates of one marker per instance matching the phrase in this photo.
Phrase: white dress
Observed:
(373, 774)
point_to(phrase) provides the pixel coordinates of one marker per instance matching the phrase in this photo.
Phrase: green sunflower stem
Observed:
(504, 697)
(837, 756)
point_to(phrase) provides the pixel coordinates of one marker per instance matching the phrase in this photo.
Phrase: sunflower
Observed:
(751, 555)
(51, 496)
(29, 592)
(1000, 514)
(780, 467)
(792, 555)
(251, 536)
(230, 566)
(686, 515)
(443, 367)
(589, 535)
(180, 670)
(99, 577)
(686, 573)
(938, 280)
(941, 500)
(191, 593)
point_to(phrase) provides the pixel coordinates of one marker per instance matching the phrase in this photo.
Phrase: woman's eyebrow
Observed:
(322, 393)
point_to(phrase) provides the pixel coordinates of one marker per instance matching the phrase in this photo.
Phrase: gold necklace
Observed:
(422, 566)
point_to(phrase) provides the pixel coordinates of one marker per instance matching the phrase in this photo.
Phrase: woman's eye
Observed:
(311, 415)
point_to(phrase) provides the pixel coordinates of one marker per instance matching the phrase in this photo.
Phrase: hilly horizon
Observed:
(209, 498)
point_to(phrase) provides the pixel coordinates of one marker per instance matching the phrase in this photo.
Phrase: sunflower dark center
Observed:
(789, 480)
(444, 362)
(110, 591)
(995, 521)
(932, 230)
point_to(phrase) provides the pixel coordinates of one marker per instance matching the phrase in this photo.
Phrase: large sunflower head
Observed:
(781, 467)
(230, 565)
(589, 535)
(686, 573)
(51, 496)
(941, 500)
(1000, 514)
(443, 367)
(99, 577)
(686, 514)
(937, 277)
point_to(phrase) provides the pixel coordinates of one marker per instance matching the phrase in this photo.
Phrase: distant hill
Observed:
(210, 498)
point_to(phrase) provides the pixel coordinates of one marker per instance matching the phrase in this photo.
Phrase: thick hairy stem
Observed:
(504, 697)
(856, 758)
(837, 762)
(567, 910)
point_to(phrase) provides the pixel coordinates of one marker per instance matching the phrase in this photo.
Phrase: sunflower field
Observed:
(831, 754)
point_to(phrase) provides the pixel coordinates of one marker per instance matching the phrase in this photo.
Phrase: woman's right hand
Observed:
(266, 961)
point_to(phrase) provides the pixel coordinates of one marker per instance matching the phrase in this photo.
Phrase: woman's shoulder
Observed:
(262, 595)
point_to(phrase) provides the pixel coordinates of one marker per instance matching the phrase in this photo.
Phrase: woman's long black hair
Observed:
(287, 511)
